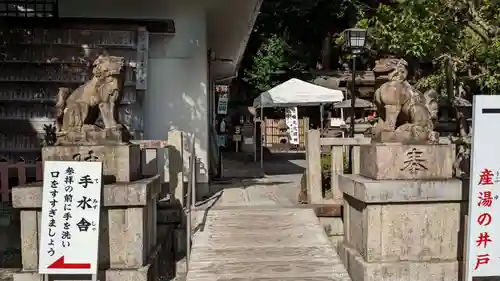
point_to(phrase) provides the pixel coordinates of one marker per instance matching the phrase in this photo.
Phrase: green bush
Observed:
(326, 169)
(326, 162)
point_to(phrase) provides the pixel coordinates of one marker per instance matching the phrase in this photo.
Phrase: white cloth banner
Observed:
(292, 121)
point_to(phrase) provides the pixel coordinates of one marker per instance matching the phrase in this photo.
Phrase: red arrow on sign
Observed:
(60, 264)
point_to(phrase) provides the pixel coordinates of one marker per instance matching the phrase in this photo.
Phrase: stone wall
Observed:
(10, 241)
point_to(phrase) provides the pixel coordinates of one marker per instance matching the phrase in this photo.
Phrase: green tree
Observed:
(292, 36)
(459, 38)
(272, 61)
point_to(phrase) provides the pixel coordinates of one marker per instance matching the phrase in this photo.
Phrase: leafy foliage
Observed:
(414, 28)
(460, 40)
(274, 58)
(443, 40)
(326, 162)
(293, 32)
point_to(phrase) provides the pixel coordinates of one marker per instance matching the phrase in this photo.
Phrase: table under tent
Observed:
(291, 94)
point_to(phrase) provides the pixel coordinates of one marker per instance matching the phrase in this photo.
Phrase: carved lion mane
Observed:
(99, 94)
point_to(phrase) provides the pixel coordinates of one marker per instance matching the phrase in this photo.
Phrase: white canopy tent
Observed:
(291, 93)
(295, 92)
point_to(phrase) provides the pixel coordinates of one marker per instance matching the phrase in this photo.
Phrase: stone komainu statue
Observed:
(406, 115)
(78, 111)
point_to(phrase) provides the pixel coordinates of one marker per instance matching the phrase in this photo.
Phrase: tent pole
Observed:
(343, 120)
(255, 138)
(321, 118)
(261, 140)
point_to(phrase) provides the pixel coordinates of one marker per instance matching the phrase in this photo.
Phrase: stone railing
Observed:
(338, 147)
(154, 157)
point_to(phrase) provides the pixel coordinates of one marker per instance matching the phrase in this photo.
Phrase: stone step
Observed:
(302, 268)
(286, 278)
(262, 242)
(259, 226)
(269, 237)
(262, 254)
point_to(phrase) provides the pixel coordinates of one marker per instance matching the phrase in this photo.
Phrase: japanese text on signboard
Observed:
(485, 201)
(70, 216)
(483, 228)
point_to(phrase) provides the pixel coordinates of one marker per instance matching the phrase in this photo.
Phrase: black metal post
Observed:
(353, 94)
(221, 166)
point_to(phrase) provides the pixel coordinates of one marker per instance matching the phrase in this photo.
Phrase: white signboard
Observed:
(222, 105)
(483, 251)
(292, 121)
(70, 217)
(221, 140)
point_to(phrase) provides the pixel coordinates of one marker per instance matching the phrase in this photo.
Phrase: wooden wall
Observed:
(273, 135)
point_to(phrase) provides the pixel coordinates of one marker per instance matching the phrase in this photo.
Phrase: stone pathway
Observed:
(277, 190)
(263, 244)
(253, 230)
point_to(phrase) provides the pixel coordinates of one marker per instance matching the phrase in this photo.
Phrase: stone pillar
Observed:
(128, 247)
(403, 214)
(313, 172)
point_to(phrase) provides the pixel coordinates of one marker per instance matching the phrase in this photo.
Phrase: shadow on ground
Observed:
(242, 165)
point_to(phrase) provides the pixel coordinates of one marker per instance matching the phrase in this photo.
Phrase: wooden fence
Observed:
(273, 136)
(12, 174)
(338, 147)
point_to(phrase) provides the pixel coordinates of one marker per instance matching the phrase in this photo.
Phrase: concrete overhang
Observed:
(229, 26)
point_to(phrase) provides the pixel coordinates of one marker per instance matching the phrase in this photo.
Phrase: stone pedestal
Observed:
(401, 229)
(393, 161)
(121, 163)
(128, 247)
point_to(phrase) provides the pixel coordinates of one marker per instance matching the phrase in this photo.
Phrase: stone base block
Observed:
(142, 274)
(360, 270)
(121, 163)
(127, 226)
(395, 161)
(149, 272)
(137, 193)
(393, 221)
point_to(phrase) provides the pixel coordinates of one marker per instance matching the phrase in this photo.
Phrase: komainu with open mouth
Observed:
(405, 114)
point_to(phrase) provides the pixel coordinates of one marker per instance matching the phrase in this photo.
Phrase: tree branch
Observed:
(476, 17)
(479, 31)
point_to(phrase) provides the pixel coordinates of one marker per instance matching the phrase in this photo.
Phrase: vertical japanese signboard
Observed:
(223, 101)
(292, 121)
(222, 104)
(70, 217)
(483, 249)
